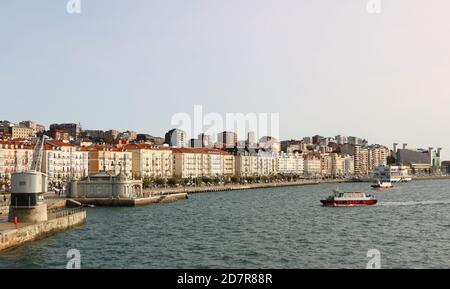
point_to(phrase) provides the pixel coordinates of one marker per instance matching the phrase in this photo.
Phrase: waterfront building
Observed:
(73, 129)
(106, 185)
(246, 161)
(202, 162)
(15, 157)
(106, 158)
(176, 138)
(267, 163)
(290, 163)
(150, 161)
(326, 164)
(392, 173)
(312, 165)
(63, 162)
(420, 160)
(337, 165)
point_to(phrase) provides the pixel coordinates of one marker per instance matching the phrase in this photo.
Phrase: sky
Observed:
(327, 67)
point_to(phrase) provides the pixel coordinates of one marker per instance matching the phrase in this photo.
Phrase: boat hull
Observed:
(375, 187)
(347, 203)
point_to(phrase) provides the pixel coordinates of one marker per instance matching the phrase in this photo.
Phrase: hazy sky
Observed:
(327, 66)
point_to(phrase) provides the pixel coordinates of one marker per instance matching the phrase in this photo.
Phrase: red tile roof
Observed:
(199, 151)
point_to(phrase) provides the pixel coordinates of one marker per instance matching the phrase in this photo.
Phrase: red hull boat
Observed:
(349, 199)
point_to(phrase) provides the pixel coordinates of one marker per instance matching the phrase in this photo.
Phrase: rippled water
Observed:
(264, 228)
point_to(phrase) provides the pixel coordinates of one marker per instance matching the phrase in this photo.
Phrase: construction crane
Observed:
(37, 154)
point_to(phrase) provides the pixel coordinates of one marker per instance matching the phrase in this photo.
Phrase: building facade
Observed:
(150, 162)
(63, 162)
(106, 158)
(202, 162)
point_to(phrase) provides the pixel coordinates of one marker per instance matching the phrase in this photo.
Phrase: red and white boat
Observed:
(349, 199)
(382, 185)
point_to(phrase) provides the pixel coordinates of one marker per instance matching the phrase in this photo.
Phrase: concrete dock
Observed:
(12, 235)
(133, 202)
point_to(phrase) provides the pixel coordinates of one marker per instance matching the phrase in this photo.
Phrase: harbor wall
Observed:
(110, 202)
(58, 222)
(233, 187)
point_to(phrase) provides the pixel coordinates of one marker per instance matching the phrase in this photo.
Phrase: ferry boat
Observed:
(382, 185)
(348, 199)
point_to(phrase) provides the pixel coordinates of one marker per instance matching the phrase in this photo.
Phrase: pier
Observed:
(13, 235)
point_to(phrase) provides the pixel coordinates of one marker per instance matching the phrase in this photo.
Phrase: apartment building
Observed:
(290, 163)
(63, 162)
(14, 157)
(150, 161)
(312, 165)
(106, 158)
(200, 162)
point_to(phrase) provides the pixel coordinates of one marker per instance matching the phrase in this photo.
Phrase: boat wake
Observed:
(414, 203)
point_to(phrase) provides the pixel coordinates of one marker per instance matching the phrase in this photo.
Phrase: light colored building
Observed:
(14, 157)
(290, 163)
(202, 162)
(348, 165)
(106, 185)
(337, 165)
(105, 158)
(267, 163)
(312, 166)
(63, 162)
(377, 156)
(246, 162)
(360, 156)
(20, 132)
(326, 164)
(150, 161)
(393, 173)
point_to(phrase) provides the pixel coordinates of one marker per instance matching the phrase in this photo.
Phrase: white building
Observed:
(290, 163)
(64, 162)
(312, 166)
